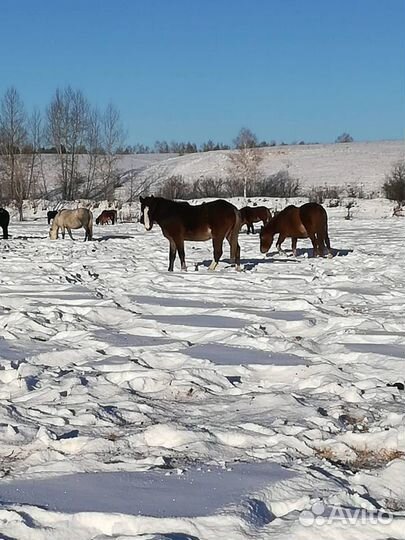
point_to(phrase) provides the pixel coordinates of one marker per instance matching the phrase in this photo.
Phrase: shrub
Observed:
(280, 184)
(394, 185)
(209, 187)
(344, 138)
(321, 193)
(174, 187)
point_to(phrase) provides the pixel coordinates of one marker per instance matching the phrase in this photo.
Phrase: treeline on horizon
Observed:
(84, 127)
(181, 148)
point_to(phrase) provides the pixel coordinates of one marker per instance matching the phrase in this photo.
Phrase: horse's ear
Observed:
(141, 199)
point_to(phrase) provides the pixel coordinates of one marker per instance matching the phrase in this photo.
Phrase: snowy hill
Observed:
(315, 165)
(357, 164)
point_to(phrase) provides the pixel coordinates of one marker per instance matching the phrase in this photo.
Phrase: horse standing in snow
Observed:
(4, 221)
(72, 219)
(307, 221)
(181, 221)
(254, 214)
(106, 216)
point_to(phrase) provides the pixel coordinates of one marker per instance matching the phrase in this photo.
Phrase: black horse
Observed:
(4, 221)
(50, 215)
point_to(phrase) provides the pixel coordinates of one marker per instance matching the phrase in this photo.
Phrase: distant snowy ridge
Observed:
(356, 164)
(363, 165)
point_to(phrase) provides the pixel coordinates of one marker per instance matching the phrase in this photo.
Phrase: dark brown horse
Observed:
(4, 221)
(254, 214)
(308, 221)
(106, 216)
(181, 221)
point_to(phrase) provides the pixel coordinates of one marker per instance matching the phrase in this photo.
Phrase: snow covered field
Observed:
(215, 404)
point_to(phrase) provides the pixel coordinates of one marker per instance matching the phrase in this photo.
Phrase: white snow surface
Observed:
(137, 403)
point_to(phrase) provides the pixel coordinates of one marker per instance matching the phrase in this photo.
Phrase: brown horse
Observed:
(181, 221)
(254, 214)
(106, 216)
(308, 221)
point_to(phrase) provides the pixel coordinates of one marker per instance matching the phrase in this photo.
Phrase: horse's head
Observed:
(266, 238)
(53, 231)
(148, 207)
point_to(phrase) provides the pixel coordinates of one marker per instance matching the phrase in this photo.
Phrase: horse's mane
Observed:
(275, 220)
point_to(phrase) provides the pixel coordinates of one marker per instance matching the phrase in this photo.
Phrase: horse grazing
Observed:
(106, 216)
(72, 219)
(50, 215)
(253, 214)
(4, 221)
(307, 221)
(181, 221)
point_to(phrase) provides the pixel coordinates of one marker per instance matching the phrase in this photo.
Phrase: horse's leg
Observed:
(252, 228)
(70, 233)
(314, 243)
(63, 232)
(248, 227)
(217, 245)
(172, 254)
(321, 244)
(327, 242)
(294, 246)
(180, 250)
(281, 238)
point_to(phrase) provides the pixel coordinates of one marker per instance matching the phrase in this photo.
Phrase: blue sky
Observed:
(193, 70)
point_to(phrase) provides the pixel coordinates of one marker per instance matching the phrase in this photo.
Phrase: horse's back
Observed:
(80, 217)
(313, 216)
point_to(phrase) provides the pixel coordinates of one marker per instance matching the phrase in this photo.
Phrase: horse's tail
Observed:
(234, 236)
(325, 233)
(90, 233)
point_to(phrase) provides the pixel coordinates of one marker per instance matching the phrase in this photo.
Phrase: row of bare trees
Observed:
(69, 124)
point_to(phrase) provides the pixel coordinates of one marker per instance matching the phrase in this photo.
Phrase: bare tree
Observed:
(245, 139)
(13, 137)
(93, 143)
(113, 138)
(36, 178)
(245, 161)
(67, 120)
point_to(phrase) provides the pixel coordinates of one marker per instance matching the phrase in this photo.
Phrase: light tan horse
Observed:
(72, 219)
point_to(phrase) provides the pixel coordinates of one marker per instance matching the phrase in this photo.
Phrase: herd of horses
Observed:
(217, 220)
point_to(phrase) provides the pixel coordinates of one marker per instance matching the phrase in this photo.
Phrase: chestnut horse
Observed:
(253, 214)
(106, 216)
(4, 221)
(181, 221)
(308, 221)
(72, 219)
